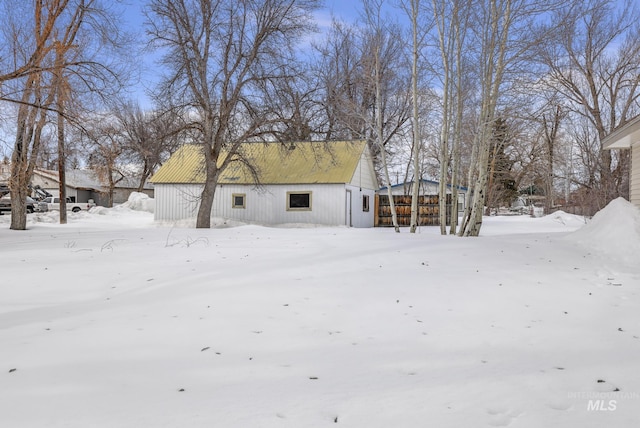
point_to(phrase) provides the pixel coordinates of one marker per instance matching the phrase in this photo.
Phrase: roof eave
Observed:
(624, 137)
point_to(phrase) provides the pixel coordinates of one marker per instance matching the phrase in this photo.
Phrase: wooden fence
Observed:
(428, 210)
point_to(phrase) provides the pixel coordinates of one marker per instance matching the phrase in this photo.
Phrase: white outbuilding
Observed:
(322, 183)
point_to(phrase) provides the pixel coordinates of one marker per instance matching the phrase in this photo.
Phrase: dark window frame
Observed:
(236, 205)
(299, 204)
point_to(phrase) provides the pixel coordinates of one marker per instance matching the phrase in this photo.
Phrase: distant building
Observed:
(427, 187)
(82, 185)
(5, 172)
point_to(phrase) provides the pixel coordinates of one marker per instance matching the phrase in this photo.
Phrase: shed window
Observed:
(298, 201)
(365, 203)
(238, 200)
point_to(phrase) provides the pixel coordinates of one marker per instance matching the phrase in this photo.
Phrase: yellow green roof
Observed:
(275, 163)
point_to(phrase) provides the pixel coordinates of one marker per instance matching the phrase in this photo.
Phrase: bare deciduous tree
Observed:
(343, 93)
(222, 56)
(451, 24)
(351, 59)
(594, 65)
(383, 118)
(149, 137)
(51, 42)
(30, 89)
(104, 143)
(505, 34)
(417, 36)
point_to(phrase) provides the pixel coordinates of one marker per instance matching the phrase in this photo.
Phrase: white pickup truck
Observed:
(53, 203)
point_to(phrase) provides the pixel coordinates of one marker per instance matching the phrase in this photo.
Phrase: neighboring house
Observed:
(327, 183)
(5, 171)
(427, 187)
(628, 137)
(82, 185)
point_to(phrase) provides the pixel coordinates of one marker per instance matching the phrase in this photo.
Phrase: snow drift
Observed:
(113, 320)
(140, 202)
(613, 232)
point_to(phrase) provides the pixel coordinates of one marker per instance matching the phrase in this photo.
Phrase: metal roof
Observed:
(87, 179)
(75, 178)
(274, 163)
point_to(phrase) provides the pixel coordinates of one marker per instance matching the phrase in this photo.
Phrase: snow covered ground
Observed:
(114, 321)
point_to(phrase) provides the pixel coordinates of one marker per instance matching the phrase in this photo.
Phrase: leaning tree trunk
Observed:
(493, 69)
(471, 178)
(472, 227)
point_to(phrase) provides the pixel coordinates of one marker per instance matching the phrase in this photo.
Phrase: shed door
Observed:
(348, 206)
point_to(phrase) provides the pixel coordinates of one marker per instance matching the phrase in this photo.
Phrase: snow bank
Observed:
(558, 221)
(613, 232)
(139, 202)
(566, 218)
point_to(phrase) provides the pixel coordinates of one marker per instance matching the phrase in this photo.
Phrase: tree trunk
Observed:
(444, 43)
(457, 136)
(30, 123)
(380, 138)
(479, 192)
(62, 176)
(203, 220)
(17, 182)
(415, 194)
(495, 43)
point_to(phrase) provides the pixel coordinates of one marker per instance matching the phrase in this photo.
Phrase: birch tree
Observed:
(222, 56)
(383, 51)
(505, 32)
(451, 24)
(416, 45)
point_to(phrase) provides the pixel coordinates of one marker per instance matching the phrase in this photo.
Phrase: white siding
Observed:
(268, 205)
(634, 190)
(265, 205)
(364, 175)
(363, 183)
(176, 201)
